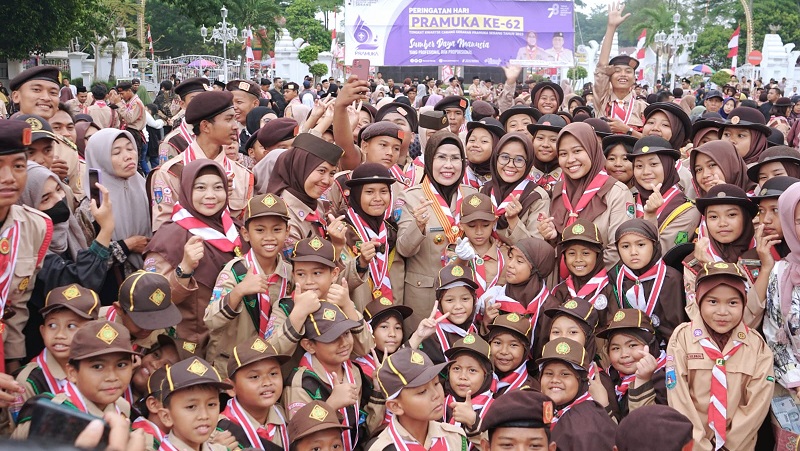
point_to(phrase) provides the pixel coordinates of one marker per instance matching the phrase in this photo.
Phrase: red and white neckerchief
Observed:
(411, 172)
(227, 242)
(236, 414)
(515, 379)
(127, 395)
(614, 110)
(399, 175)
(111, 314)
(718, 400)
(439, 444)
(350, 440)
(264, 302)
(635, 296)
(508, 305)
(446, 217)
(75, 397)
(166, 445)
(591, 289)
(597, 182)
(500, 208)
(183, 130)
(480, 404)
(445, 326)
(190, 155)
(622, 389)
(378, 266)
(101, 103)
(561, 412)
(56, 385)
(149, 427)
(702, 232)
(480, 272)
(9, 245)
(471, 179)
(668, 196)
(547, 181)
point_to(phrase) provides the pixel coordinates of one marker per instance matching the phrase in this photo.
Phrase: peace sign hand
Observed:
(427, 326)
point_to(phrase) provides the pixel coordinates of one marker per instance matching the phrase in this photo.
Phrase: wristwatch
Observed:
(182, 275)
(630, 132)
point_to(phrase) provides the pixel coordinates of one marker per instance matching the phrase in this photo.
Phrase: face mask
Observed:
(59, 212)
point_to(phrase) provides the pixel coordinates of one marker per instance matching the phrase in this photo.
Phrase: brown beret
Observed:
(522, 408)
(190, 85)
(382, 128)
(146, 297)
(433, 120)
(654, 428)
(97, 338)
(48, 73)
(277, 130)
(15, 137)
(482, 109)
(624, 60)
(459, 102)
(81, 301)
(206, 105)
(247, 86)
(252, 350)
(312, 144)
(405, 110)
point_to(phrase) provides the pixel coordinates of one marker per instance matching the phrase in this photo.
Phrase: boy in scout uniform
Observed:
(154, 429)
(192, 382)
(211, 116)
(521, 420)
(35, 91)
(249, 287)
(655, 428)
(316, 427)
(246, 95)
(100, 367)
(25, 235)
(454, 107)
(181, 135)
(409, 381)
(254, 416)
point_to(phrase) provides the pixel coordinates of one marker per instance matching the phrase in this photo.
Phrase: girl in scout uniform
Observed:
(660, 198)
(643, 281)
(430, 220)
(668, 121)
(482, 136)
(717, 162)
(518, 201)
(774, 162)
(719, 371)
(545, 171)
(747, 131)
(637, 362)
(617, 150)
(509, 340)
(547, 97)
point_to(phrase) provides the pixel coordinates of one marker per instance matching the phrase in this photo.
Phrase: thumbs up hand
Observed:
(463, 412)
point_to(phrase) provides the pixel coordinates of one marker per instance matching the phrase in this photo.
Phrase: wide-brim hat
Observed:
(726, 194)
(673, 108)
(746, 117)
(650, 145)
(489, 124)
(520, 109)
(549, 122)
(613, 140)
(776, 154)
(545, 85)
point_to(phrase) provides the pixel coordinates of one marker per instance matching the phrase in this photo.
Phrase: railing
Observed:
(163, 69)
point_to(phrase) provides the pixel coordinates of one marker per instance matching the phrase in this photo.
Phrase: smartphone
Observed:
(94, 191)
(360, 68)
(59, 424)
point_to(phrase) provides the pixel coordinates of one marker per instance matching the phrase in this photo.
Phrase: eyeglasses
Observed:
(504, 159)
(445, 159)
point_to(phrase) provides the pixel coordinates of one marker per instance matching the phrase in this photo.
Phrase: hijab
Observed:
(724, 154)
(787, 204)
(758, 143)
(354, 197)
(700, 134)
(441, 137)
(433, 99)
(80, 131)
(731, 252)
(646, 230)
(671, 178)
(67, 235)
(128, 196)
(291, 170)
(679, 133)
(722, 110)
(484, 167)
(300, 113)
(599, 264)
(705, 285)
(253, 119)
(488, 377)
(502, 189)
(687, 103)
(262, 171)
(538, 95)
(541, 256)
(171, 237)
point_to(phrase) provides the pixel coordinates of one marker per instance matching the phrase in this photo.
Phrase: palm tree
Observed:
(114, 31)
(654, 19)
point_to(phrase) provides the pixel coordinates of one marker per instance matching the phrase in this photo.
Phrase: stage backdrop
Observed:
(459, 32)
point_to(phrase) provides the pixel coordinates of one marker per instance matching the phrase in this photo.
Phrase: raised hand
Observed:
(463, 412)
(343, 394)
(339, 294)
(547, 228)
(193, 252)
(654, 202)
(645, 367)
(421, 214)
(464, 249)
(252, 283)
(337, 230)
(615, 16)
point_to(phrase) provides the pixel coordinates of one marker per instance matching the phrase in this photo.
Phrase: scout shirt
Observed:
(175, 142)
(338, 192)
(166, 181)
(172, 443)
(67, 151)
(604, 99)
(299, 226)
(424, 252)
(76, 107)
(133, 113)
(453, 436)
(228, 327)
(276, 418)
(754, 305)
(103, 115)
(750, 383)
(35, 232)
(35, 381)
(486, 266)
(551, 178)
(604, 300)
(528, 223)
(650, 393)
(679, 227)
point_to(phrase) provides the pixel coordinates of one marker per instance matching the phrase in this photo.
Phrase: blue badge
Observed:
(671, 379)
(216, 295)
(397, 213)
(158, 195)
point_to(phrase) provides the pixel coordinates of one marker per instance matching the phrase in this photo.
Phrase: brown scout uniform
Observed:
(604, 94)
(133, 113)
(103, 115)
(175, 142)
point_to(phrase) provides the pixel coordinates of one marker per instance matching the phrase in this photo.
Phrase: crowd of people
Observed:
(373, 266)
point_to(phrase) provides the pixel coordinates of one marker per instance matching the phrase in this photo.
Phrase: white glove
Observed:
(464, 250)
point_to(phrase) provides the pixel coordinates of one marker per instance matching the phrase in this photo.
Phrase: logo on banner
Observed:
(364, 37)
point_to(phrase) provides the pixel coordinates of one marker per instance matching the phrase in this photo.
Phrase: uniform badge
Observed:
(269, 201)
(259, 346)
(571, 304)
(619, 316)
(318, 413)
(469, 339)
(417, 359)
(158, 297)
(671, 379)
(315, 243)
(697, 332)
(630, 209)
(244, 86)
(601, 302)
(385, 301)
(547, 412)
(513, 318)
(398, 212)
(438, 238)
(741, 336)
(656, 320)
(197, 368)
(71, 292)
(682, 238)
(158, 195)
(562, 349)
(645, 149)
(454, 229)
(189, 346)
(457, 271)
(329, 314)
(475, 201)
(23, 284)
(735, 120)
(577, 229)
(5, 246)
(107, 334)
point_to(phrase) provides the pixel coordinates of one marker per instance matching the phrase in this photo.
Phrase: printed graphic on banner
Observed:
(460, 32)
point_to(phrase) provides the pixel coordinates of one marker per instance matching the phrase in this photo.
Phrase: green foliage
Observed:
(577, 73)
(39, 27)
(720, 78)
(308, 54)
(318, 69)
(730, 13)
(712, 46)
(74, 81)
(301, 23)
(173, 32)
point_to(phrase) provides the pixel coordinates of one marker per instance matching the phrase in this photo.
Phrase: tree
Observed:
(577, 73)
(720, 78)
(783, 13)
(318, 69)
(712, 46)
(308, 54)
(174, 33)
(301, 23)
(106, 23)
(39, 27)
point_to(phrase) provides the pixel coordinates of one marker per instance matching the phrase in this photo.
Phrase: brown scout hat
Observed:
(477, 207)
(652, 145)
(782, 154)
(154, 383)
(312, 144)
(727, 194)
(654, 428)
(185, 348)
(774, 187)
(277, 130)
(253, 350)
(190, 85)
(453, 101)
(100, 337)
(511, 322)
(624, 60)
(720, 269)
(316, 249)
(311, 418)
(406, 368)
(583, 231)
(489, 124)
(49, 73)
(265, 205)
(565, 350)
(81, 301)
(370, 173)
(628, 318)
(189, 373)
(382, 128)
(206, 105)
(405, 110)
(15, 137)
(482, 109)
(383, 306)
(328, 323)
(523, 408)
(746, 117)
(146, 298)
(473, 344)
(534, 114)
(455, 273)
(433, 120)
(247, 86)
(578, 308)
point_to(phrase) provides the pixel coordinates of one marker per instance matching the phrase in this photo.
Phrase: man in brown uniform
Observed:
(102, 113)
(131, 109)
(181, 135)
(212, 118)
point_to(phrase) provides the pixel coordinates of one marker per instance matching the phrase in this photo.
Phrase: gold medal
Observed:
(237, 251)
(455, 230)
(23, 285)
(5, 246)
(376, 294)
(438, 238)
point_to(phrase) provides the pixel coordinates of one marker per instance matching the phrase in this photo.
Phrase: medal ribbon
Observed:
(597, 183)
(445, 216)
(9, 242)
(228, 242)
(264, 304)
(379, 265)
(635, 296)
(56, 385)
(668, 196)
(350, 439)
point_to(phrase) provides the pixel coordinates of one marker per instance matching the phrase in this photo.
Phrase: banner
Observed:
(460, 32)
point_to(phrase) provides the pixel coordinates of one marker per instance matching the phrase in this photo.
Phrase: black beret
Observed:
(459, 102)
(49, 73)
(383, 128)
(207, 105)
(655, 428)
(124, 86)
(327, 151)
(277, 130)
(523, 407)
(15, 137)
(219, 83)
(433, 120)
(247, 86)
(292, 85)
(80, 89)
(407, 111)
(265, 82)
(190, 85)
(624, 60)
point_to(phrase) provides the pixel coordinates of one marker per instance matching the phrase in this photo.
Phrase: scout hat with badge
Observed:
(707, 124)
(581, 231)
(367, 173)
(252, 350)
(514, 323)
(206, 105)
(459, 102)
(406, 368)
(787, 156)
(407, 111)
(567, 351)
(190, 372)
(154, 383)
(383, 307)
(315, 249)
(624, 60)
(476, 347)
(81, 301)
(454, 275)
(717, 273)
(15, 137)
(276, 131)
(100, 337)
(580, 309)
(627, 142)
(654, 428)
(311, 418)
(489, 124)
(529, 111)
(47, 73)
(328, 323)
(291, 86)
(727, 194)
(40, 128)
(746, 117)
(524, 407)
(634, 322)
(653, 145)
(185, 348)
(264, 205)
(549, 122)
(433, 120)
(146, 298)
(314, 145)
(190, 85)
(774, 187)
(477, 207)
(247, 86)
(680, 127)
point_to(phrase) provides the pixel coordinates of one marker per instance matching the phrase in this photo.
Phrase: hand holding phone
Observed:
(59, 424)
(94, 191)
(360, 69)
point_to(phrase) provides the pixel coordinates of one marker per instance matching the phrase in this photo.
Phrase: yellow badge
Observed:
(197, 368)
(513, 318)
(438, 238)
(158, 297)
(457, 271)
(189, 346)
(577, 229)
(764, 192)
(619, 316)
(244, 86)
(720, 265)
(329, 314)
(385, 301)
(417, 358)
(315, 243)
(23, 284)
(35, 124)
(562, 349)
(735, 120)
(571, 304)
(318, 413)
(259, 346)
(547, 412)
(269, 201)
(454, 230)
(469, 339)
(107, 334)
(475, 201)
(376, 294)
(71, 292)
(645, 149)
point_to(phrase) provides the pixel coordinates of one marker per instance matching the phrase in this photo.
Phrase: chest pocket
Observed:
(737, 365)
(419, 280)
(23, 275)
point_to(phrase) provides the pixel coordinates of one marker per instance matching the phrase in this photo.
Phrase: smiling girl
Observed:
(469, 387)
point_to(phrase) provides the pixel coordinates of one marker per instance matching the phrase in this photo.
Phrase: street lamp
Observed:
(674, 41)
(223, 33)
